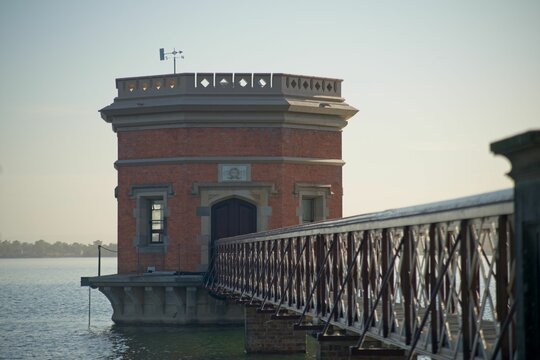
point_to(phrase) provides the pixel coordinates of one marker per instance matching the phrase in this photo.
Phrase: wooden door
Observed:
(233, 217)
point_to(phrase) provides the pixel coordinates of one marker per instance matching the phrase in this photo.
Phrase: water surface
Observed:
(44, 315)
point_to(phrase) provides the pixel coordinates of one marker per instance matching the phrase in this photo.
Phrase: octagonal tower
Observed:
(205, 156)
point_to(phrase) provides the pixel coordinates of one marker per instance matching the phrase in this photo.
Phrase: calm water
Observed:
(44, 315)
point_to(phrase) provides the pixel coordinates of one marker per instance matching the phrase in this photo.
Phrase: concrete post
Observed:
(523, 151)
(265, 335)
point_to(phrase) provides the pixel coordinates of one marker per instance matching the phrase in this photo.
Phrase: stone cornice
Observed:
(135, 122)
(523, 151)
(228, 159)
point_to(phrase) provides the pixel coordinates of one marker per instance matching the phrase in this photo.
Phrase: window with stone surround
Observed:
(151, 215)
(312, 202)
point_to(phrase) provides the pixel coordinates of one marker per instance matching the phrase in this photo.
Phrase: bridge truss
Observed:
(435, 279)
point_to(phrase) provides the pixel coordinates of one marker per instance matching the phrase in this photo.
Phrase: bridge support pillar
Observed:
(332, 348)
(377, 354)
(523, 151)
(266, 335)
(343, 347)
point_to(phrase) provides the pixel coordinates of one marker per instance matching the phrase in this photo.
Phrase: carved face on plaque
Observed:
(234, 173)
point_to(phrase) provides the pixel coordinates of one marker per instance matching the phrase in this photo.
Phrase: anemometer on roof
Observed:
(175, 54)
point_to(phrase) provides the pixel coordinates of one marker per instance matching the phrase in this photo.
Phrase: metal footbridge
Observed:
(434, 280)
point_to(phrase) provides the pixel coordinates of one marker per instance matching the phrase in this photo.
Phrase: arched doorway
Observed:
(233, 217)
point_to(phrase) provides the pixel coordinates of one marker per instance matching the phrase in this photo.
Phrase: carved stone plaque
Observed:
(234, 172)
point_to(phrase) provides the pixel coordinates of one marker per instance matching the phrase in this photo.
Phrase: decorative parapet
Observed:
(228, 83)
(228, 99)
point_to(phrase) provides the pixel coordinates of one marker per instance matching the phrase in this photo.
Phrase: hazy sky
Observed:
(435, 82)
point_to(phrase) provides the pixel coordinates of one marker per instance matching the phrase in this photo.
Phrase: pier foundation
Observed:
(265, 334)
(343, 347)
(164, 300)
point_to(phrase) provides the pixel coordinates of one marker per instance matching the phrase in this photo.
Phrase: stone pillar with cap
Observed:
(523, 151)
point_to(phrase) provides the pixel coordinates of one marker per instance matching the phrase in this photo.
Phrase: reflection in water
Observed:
(193, 343)
(177, 343)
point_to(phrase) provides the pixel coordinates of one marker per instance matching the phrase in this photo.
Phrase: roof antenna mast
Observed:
(175, 54)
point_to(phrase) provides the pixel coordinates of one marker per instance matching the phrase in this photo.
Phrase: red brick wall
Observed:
(229, 142)
(183, 225)
(285, 176)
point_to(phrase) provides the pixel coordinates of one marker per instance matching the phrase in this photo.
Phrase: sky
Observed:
(435, 83)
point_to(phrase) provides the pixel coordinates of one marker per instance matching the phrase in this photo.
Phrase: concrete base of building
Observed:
(164, 299)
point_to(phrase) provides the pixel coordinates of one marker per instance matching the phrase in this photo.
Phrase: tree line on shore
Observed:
(41, 249)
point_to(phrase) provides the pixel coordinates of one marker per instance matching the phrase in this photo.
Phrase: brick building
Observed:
(206, 156)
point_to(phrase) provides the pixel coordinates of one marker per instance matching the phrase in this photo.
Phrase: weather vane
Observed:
(175, 54)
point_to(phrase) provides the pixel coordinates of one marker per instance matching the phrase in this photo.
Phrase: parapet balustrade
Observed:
(228, 83)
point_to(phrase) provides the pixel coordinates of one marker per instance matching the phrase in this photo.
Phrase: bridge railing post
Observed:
(364, 276)
(523, 151)
(466, 311)
(350, 265)
(334, 273)
(319, 256)
(503, 268)
(309, 270)
(405, 274)
(298, 272)
(432, 283)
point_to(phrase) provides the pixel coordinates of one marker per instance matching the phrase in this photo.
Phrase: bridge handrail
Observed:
(474, 206)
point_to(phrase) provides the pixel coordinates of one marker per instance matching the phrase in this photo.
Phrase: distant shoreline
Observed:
(56, 257)
(42, 249)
